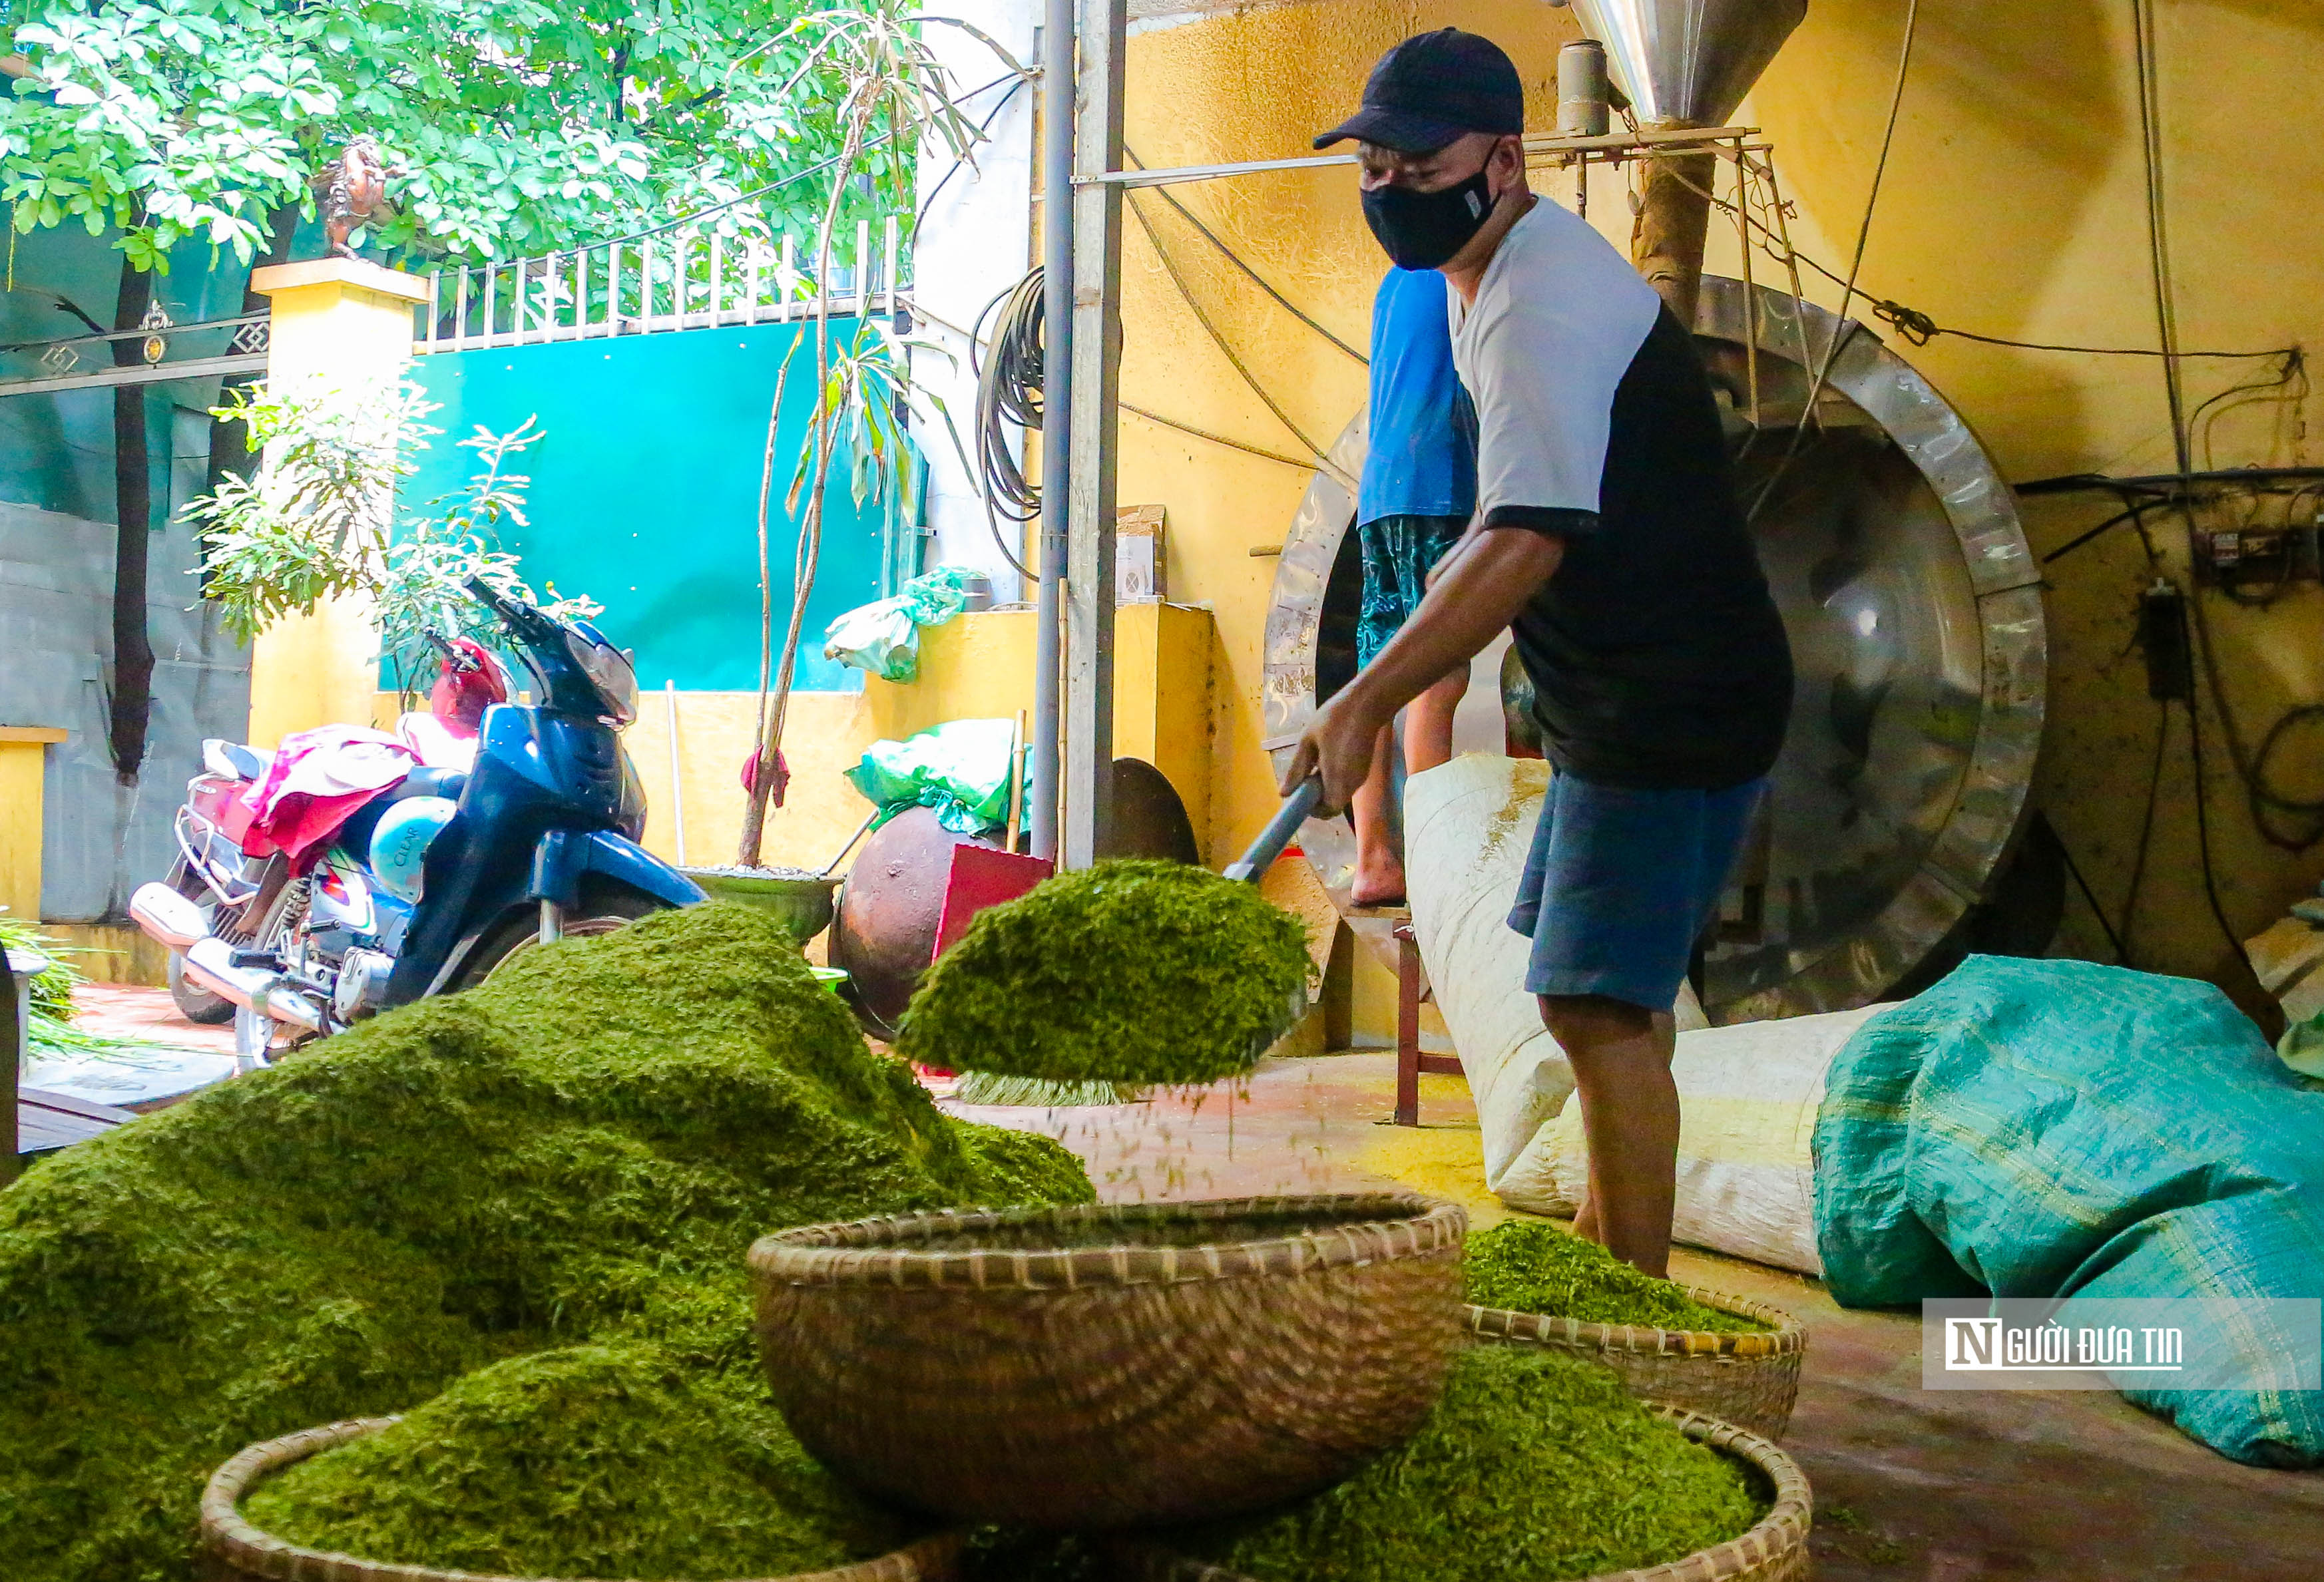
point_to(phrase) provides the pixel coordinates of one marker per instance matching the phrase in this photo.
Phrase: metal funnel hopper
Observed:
(1689, 62)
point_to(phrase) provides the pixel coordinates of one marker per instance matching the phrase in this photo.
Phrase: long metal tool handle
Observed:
(1279, 831)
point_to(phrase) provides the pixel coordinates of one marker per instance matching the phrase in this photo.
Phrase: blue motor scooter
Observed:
(539, 840)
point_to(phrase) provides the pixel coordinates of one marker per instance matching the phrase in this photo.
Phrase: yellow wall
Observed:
(975, 666)
(23, 759)
(2013, 205)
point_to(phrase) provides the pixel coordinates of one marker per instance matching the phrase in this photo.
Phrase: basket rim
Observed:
(1787, 1338)
(1782, 1531)
(226, 1533)
(1374, 1227)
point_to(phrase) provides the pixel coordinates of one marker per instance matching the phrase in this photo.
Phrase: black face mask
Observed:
(1421, 230)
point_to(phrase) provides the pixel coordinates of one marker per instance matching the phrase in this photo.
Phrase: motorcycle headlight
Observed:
(610, 671)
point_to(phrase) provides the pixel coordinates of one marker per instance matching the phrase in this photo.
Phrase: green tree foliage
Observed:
(513, 126)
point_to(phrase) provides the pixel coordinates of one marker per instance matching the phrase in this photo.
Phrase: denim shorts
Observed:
(1398, 551)
(1621, 883)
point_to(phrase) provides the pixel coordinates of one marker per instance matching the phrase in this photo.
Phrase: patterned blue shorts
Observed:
(1398, 550)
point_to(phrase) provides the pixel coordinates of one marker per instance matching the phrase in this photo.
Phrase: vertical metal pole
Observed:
(676, 786)
(1056, 405)
(1096, 358)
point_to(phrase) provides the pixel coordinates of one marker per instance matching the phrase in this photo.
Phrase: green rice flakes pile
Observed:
(1532, 1465)
(591, 1461)
(1130, 972)
(581, 1151)
(1531, 1266)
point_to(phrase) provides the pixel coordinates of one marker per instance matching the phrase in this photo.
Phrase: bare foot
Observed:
(1380, 886)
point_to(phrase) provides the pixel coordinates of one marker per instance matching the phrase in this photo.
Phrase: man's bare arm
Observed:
(1478, 589)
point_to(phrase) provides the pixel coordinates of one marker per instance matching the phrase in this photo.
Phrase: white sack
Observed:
(1467, 826)
(1747, 1099)
(1748, 1094)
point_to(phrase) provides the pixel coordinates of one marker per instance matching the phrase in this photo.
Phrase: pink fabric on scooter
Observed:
(317, 781)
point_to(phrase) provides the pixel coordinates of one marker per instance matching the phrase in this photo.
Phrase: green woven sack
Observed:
(2057, 1128)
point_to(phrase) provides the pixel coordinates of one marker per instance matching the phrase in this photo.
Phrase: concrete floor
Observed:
(2076, 1486)
(1910, 1486)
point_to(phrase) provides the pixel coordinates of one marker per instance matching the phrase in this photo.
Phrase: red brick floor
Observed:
(1910, 1486)
(144, 1013)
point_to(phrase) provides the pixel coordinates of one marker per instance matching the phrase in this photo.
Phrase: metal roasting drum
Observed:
(1914, 613)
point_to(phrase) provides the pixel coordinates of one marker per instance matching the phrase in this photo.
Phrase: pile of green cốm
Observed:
(591, 1461)
(1531, 1266)
(1130, 972)
(1532, 1465)
(578, 1153)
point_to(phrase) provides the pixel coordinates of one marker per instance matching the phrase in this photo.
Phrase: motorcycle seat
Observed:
(425, 781)
(221, 757)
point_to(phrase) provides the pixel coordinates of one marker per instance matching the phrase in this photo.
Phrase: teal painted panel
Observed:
(645, 490)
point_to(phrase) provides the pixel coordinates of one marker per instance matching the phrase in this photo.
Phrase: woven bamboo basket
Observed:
(1749, 1379)
(233, 1550)
(1111, 1366)
(1774, 1549)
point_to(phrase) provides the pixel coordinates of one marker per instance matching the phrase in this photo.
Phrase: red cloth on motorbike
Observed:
(317, 781)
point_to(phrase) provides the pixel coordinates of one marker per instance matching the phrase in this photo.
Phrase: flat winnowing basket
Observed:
(1111, 1366)
(233, 1550)
(1748, 1379)
(1774, 1549)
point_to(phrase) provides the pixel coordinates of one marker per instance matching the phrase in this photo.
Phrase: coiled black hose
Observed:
(1008, 394)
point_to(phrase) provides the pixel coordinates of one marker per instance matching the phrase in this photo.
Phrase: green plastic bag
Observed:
(883, 637)
(960, 769)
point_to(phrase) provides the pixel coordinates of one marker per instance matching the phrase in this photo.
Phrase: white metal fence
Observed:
(690, 277)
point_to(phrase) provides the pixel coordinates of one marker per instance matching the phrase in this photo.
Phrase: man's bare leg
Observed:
(1621, 1059)
(1380, 868)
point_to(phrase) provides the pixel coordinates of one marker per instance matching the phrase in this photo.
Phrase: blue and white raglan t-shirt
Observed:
(1657, 657)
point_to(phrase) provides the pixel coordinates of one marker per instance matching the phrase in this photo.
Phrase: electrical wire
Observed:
(1841, 335)
(2145, 828)
(2121, 955)
(983, 129)
(1236, 259)
(1272, 455)
(2203, 840)
(1918, 327)
(2166, 320)
(1218, 338)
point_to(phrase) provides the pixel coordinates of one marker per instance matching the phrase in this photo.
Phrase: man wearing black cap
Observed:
(1607, 538)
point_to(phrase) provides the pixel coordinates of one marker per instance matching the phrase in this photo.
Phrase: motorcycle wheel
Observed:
(603, 909)
(195, 1003)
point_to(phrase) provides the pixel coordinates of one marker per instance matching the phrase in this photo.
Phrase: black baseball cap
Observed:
(1432, 89)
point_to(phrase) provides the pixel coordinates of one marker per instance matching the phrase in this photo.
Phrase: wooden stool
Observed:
(1410, 990)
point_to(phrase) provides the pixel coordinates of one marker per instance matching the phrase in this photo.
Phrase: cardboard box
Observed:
(1137, 557)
